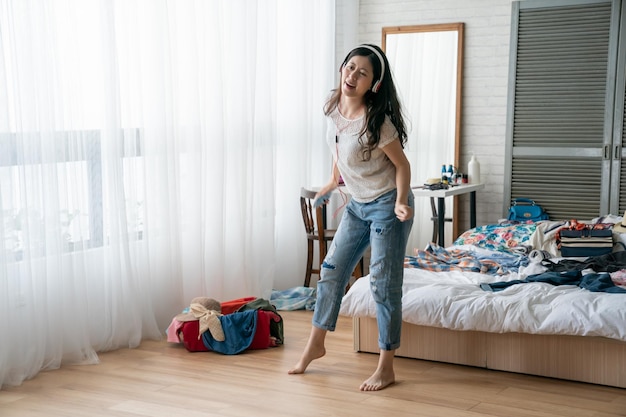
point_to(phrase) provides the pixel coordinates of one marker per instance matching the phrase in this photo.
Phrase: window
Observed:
(74, 179)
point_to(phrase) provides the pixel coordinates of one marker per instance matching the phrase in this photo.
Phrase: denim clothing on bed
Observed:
(367, 224)
(610, 262)
(594, 282)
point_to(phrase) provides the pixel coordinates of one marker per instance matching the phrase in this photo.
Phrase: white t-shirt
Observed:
(365, 180)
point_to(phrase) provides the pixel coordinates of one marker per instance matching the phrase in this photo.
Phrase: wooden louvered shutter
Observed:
(618, 202)
(560, 110)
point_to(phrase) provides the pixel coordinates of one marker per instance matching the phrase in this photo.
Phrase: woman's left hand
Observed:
(403, 212)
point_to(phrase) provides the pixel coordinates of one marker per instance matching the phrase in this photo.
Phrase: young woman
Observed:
(366, 135)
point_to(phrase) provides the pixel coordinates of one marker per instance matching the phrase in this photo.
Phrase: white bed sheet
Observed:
(454, 300)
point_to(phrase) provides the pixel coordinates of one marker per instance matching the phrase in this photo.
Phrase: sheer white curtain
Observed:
(150, 151)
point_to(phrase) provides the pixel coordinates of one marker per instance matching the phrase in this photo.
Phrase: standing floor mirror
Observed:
(426, 63)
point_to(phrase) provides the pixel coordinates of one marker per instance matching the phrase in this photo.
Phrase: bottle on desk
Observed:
(473, 171)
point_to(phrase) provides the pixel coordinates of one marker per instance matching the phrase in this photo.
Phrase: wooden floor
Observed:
(162, 379)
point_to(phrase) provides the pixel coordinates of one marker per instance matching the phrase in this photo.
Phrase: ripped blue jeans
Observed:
(367, 224)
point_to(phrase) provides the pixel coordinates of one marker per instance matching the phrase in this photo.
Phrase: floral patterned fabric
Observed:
(504, 237)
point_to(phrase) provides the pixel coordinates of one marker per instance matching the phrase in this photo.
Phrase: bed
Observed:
(536, 328)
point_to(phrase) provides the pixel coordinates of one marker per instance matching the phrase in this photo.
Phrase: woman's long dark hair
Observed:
(380, 104)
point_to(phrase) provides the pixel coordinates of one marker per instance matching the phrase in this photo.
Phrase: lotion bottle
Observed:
(473, 170)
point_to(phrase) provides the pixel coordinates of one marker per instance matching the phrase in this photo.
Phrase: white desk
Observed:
(441, 195)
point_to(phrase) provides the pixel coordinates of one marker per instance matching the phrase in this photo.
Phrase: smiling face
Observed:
(357, 76)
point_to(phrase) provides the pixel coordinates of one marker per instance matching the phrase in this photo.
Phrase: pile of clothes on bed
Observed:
(533, 249)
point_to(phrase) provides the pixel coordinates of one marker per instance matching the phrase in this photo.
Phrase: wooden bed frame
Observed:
(596, 360)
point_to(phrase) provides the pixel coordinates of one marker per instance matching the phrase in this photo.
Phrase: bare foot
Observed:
(379, 380)
(310, 354)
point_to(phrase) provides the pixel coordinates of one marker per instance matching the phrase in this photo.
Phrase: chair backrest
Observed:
(315, 228)
(313, 218)
(433, 208)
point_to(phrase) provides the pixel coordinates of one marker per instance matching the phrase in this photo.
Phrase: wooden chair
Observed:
(435, 219)
(316, 232)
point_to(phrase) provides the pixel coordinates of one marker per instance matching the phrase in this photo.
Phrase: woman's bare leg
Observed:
(384, 375)
(314, 350)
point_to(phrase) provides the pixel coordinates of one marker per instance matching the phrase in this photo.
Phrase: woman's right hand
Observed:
(321, 199)
(323, 195)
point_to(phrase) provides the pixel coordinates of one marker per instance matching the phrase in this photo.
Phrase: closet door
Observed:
(618, 200)
(562, 83)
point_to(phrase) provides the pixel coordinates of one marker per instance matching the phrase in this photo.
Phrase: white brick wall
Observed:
(485, 80)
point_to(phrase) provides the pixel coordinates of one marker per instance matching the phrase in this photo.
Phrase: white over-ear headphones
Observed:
(376, 85)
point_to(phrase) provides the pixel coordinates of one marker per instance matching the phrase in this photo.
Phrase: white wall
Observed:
(486, 57)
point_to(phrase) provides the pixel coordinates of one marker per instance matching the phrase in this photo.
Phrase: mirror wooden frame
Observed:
(449, 27)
